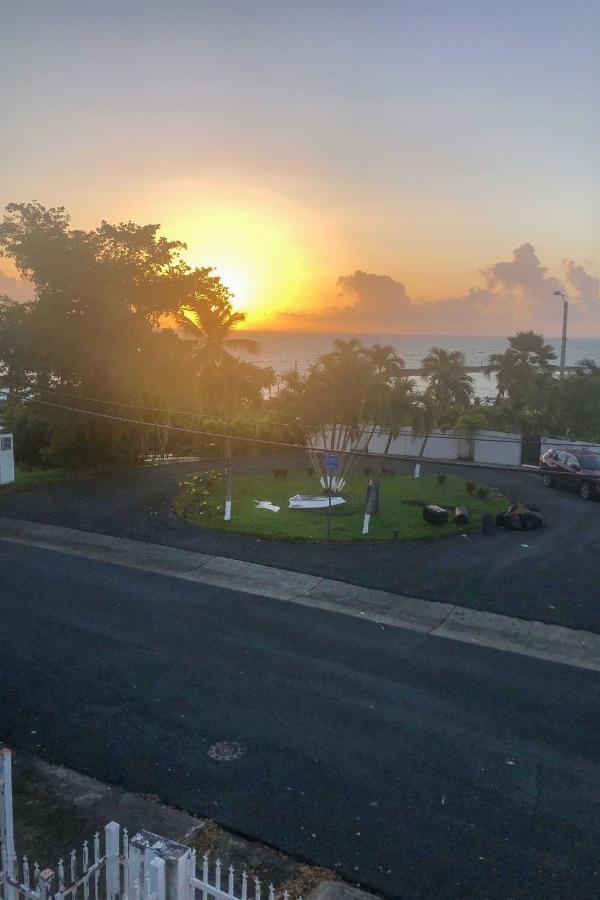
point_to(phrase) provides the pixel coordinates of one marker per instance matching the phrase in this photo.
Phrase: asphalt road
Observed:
(556, 578)
(419, 767)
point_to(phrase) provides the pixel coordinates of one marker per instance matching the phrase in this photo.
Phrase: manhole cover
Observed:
(225, 751)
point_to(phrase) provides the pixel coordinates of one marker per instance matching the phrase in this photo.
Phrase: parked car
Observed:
(576, 467)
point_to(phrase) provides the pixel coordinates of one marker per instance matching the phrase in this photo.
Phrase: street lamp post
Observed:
(563, 345)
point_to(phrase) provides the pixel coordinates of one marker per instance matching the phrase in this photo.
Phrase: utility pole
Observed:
(563, 344)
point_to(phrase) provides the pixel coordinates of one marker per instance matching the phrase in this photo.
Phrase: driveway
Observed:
(554, 578)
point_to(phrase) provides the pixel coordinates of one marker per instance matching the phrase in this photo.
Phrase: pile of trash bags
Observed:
(521, 516)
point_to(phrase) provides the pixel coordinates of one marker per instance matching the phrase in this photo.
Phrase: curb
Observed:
(554, 643)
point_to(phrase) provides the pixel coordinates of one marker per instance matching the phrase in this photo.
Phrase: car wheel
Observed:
(585, 491)
(547, 479)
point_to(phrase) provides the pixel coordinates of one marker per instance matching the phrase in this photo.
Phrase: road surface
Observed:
(555, 578)
(420, 767)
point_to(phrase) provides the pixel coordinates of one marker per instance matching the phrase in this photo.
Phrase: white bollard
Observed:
(366, 523)
(228, 510)
(418, 470)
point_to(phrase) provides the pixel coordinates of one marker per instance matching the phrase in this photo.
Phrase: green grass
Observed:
(32, 478)
(402, 498)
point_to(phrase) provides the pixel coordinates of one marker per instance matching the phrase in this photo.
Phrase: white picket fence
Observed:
(114, 866)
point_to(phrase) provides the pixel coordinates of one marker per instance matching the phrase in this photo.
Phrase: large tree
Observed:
(96, 325)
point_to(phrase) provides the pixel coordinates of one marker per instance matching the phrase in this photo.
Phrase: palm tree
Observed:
(385, 361)
(519, 367)
(531, 348)
(399, 407)
(448, 383)
(212, 326)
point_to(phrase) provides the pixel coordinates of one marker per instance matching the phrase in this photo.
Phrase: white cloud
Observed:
(514, 294)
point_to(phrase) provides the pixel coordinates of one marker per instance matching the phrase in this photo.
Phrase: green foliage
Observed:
(401, 509)
(91, 332)
(441, 479)
(483, 493)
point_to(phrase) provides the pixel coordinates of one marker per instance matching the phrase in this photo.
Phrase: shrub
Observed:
(310, 471)
(471, 487)
(367, 470)
(280, 472)
(441, 479)
(483, 493)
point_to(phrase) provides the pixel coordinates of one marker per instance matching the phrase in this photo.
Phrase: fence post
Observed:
(182, 878)
(167, 861)
(158, 868)
(45, 884)
(111, 846)
(7, 837)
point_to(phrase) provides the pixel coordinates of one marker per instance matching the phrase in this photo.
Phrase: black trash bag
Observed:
(435, 515)
(531, 520)
(461, 515)
(513, 521)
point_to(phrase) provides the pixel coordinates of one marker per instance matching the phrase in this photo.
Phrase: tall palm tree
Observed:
(385, 361)
(399, 407)
(212, 326)
(448, 383)
(520, 366)
(530, 347)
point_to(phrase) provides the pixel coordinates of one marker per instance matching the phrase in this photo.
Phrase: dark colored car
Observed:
(576, 467)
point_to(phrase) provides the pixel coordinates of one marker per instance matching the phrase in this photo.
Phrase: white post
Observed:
(366, 523)
(182, 878)
(418, 470)
(157, 867)
(111, 844)
(166, 862)
(45, 884)
(7, 459)
(7, 837)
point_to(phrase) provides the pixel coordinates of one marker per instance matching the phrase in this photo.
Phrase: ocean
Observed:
(284, 350)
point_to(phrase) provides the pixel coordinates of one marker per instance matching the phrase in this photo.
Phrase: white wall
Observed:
(498, 448)
(492, 447)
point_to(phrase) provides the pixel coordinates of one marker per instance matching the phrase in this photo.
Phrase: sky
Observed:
(345, 165)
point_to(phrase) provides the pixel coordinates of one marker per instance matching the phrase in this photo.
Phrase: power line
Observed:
(288, 445)
(434, 434)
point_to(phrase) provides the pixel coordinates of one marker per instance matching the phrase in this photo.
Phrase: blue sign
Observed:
(332, 464)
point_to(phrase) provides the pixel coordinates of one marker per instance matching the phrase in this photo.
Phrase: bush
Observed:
(310, 471)
(280, 472)
(483, 493)
(471, 487)
(367, 470)
(441, 479)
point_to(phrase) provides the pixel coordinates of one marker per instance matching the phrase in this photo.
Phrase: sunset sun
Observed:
(254, 253)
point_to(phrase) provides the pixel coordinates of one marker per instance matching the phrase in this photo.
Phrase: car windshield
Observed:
(590, 462)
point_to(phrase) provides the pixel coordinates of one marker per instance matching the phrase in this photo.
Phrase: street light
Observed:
(563, 346)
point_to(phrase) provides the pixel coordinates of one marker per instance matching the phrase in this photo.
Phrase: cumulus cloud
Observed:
(513, 294)
(583, 287)
(15, 288)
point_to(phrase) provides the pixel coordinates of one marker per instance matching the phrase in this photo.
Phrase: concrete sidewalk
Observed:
(529, 638)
